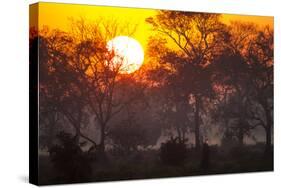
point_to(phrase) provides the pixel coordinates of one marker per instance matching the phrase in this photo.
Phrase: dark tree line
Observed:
(201, 61)
(79, 83)
(202, 78)
(202, 67)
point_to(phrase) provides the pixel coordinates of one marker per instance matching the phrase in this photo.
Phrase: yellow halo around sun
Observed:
(128, 53)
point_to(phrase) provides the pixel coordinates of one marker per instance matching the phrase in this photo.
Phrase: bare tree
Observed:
(99, 72)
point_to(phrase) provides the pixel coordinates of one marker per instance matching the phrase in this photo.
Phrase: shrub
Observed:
(70, 162)
(173, 152)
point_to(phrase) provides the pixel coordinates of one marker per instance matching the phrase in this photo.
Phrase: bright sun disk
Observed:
(128, 53)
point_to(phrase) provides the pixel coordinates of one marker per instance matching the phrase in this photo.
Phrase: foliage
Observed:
(128, 136)
(70, 160)
(202, 77)
(173, 152)
(199, 38)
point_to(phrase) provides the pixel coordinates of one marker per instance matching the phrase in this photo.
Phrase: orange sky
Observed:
(56, 15)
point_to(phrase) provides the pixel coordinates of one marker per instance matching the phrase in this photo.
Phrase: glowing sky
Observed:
(56, 15)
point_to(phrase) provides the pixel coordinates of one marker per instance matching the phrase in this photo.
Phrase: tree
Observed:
(194, 39)
(245, 72)
(80, 77)
(59, 94)
(128, 131)
(99, 71)
(174, 117)
(128, 135)
(261, 69)
(231, 81)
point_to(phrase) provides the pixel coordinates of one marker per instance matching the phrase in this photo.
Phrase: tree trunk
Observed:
(179, 133)
(268, 127)
(268, 139)
(77, 136)
(240, 136)
(268, 131)
(102, 138)
(197, 121)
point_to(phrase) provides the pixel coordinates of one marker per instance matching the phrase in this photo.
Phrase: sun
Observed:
(128, 53)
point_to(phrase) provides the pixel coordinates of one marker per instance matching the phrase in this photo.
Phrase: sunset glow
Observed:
(128, 53)
(58, 15)
(149, 91)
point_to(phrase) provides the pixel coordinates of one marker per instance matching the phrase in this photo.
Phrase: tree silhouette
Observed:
(202, 80)
(83, 75)
(261, 69)
(198, 38)
(231, 80)
(243, 72)
(58, 82)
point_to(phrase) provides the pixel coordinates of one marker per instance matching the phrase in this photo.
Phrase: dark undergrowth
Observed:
(148, 164)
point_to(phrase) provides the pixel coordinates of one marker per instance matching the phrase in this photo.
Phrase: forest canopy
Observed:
(202, 92)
